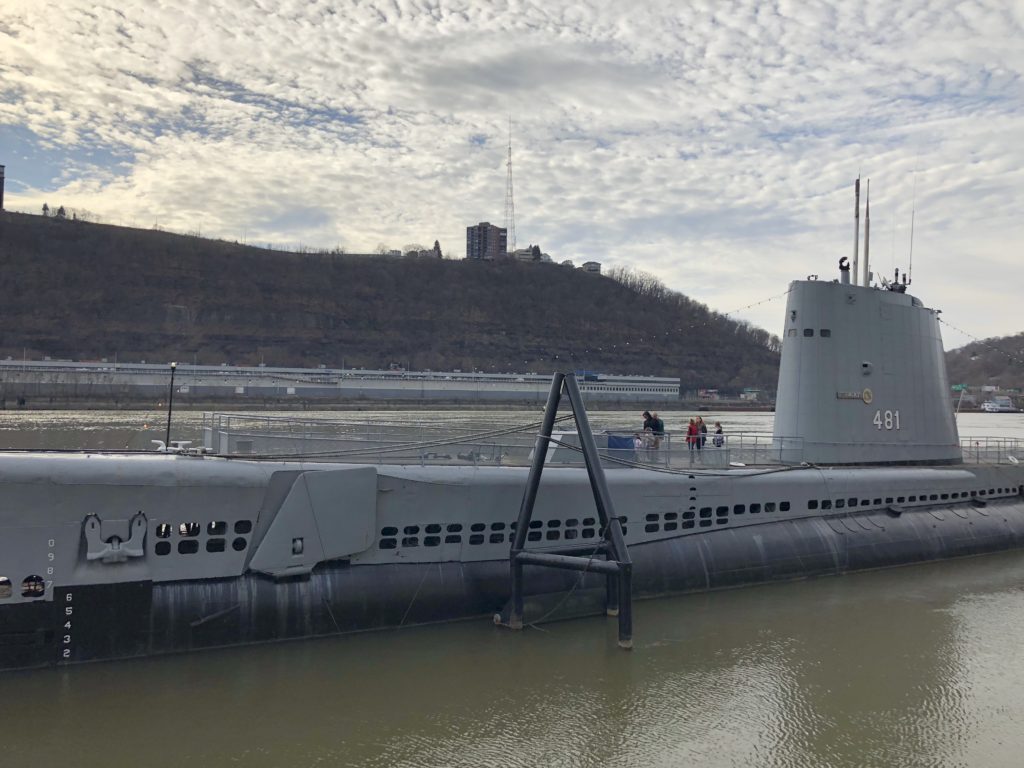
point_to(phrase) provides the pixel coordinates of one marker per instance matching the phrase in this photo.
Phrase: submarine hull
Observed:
(132, 619)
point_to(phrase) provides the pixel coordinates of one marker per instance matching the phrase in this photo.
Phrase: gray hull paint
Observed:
(142, 618)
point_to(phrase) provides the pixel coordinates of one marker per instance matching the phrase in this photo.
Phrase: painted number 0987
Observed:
(886, 420)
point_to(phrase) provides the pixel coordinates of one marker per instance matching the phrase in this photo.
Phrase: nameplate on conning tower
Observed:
(865, 396)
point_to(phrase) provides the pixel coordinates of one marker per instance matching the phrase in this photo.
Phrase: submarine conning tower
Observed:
(863, 377)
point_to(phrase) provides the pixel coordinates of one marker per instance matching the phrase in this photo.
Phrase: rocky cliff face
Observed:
(77, 290)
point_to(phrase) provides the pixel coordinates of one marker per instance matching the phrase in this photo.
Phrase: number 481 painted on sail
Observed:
(886, 419)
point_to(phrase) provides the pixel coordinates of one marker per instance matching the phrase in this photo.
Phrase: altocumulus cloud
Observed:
(711, 144)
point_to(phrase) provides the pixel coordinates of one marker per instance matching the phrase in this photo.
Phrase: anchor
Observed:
(114, 541)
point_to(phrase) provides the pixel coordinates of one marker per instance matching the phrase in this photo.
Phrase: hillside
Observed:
(996, 362)
(78, 290)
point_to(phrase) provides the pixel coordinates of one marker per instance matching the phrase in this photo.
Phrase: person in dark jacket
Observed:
(719, 435)
(703, 428)
(648, 421)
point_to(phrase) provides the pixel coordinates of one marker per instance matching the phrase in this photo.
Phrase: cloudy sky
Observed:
(712, 144)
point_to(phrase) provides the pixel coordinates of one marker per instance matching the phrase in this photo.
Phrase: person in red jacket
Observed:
(692, 438)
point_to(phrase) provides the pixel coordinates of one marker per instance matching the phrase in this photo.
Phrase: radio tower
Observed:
(510, 206)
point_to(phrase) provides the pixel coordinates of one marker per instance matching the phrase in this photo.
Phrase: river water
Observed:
(916, 666)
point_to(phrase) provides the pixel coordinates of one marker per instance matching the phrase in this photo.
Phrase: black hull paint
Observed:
(142, 618)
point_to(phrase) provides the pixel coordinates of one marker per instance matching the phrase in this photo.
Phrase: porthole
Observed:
(216, 528)
(888, 499)
(572, 522)
(705, 523)
(652, 517)
(812, 504)
(705, 512)
(215, 545)
(243, 526)
(588, 533)
(784, 506)
(411, 541)
(553, 535)
(477, 527)
(769, 506)
(453, 538)
(571, 533)
(188, 547)
(497, 538)
(900, 499)
(33, 586)
(912, 499)
(825, 332)
(497, 526)
(6, 590)
(387, 544)
(432, 541)
(671, 526)
(162, 548)
(840, 503)
(738, 509)
(411, 530)
(877, 502)
(163, 531)
(433, 528)
(554, 523)
(933, 497)
(827, 503)
(808, 332)
(588, 521)
(189, 529)
(238, 544)
(389, 530)
(454, 528)
(852, 502)
(721, 511)
(687, 523)
(651, 528)
(755, 509)
(671, 515)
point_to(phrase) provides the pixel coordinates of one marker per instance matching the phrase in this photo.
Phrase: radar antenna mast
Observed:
(510, 206)
(913, 210)
(856, 227)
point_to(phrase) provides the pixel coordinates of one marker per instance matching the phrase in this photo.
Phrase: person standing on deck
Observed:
(719, 439)
(692, 438)
(648, 421)
(657, 431)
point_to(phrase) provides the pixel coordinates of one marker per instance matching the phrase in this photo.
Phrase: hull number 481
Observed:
(886, 419)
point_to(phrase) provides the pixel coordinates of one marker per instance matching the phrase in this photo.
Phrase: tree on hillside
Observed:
(46, 210)
(437, 249)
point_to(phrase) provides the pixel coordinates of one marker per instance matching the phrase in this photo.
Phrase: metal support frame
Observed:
(616, 565)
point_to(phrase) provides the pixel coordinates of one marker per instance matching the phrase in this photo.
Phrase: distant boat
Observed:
(999, 404)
